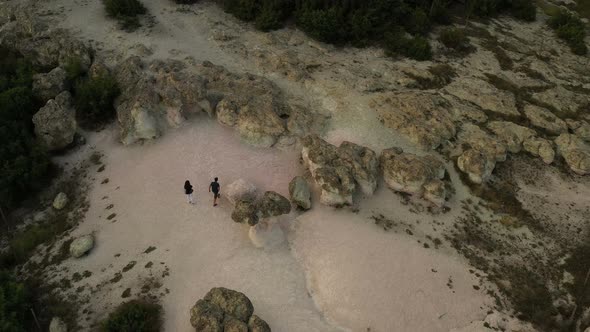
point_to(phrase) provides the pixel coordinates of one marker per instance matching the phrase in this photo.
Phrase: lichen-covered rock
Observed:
(484, 95)
(511, 134)
(473, 137)
(232, 324)
(273, 204)
(81, 245)
(240, 190)
(476, 164)
(256, 324)
(227, 112)
(245, 211)
(580, 128)
(564, 101)
(57, 325)
(232, 302)
(300, 193)
(575, 152)
(424, 118)
(55, 123)
(259, 125)
(207, 317)
(362, 163)
(60, 201)
(408, 172)
(317, 153)
(337, 185)
(540, 147)
(435, 192)
(48, 85)
(544, 119)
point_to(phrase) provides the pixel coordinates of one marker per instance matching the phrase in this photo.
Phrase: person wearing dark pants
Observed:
(214, 187)
(188, 191)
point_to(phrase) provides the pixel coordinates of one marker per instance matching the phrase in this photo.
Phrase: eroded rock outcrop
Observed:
(223, 309)
(511, 134)
(48, 85)
(478, 152)
(484, 95)
(540, 147)
(544, 119)
(415, 175)
(55, 123)
(271, 204)
(575, 152)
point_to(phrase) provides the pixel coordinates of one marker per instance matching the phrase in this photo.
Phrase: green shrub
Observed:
(524, 10)
(74, 69)
(416, 48)
(134, 316)
(243, 9)
(94, 99)
(322, 24)
(126, 11)
(14, 304)
(269, 18)
(455, 39)
(571, 29)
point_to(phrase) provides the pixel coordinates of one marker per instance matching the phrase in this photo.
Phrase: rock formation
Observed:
(240, 190)
(81, 245)
(300, 193)
(55, 123)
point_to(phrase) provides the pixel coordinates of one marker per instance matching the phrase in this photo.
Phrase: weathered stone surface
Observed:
(240, 190)
(55, 123)
(273, 204)
(424, 118)
(207, 317)
(511, 134)
(544, 119)
(580, 128)
(476, 164)
(245, 211)
(57, 325)
(540, 147)
(81, 245)
(259, 125)
(300, 193)
(435, 192)
(473, 137)
(484, 95)
(362, 163)
(564, 101)
(232, 324)
(48, 85)
(337, 185)
(408, 172)
(60, 201)
(256, 324)
(227, 112)
(575, 152)
(231, 302)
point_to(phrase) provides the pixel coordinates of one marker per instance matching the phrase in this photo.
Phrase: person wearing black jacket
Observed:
(188, 190)
(214, 187)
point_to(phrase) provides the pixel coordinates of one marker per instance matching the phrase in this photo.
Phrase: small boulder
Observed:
(435, 192)
(300, 193)
(266, 235)
(540, 147)
(273, 204)
(55, 123)
(81, 245)
(256, 324)
(231, 302)
(57, 325)
(60, 201)
(337, 185)
(575, 152)
(48, 85)
(511, 134)
(408, 172)
(240, 190)
(245, 211)
(362, 163)
(476, 164)
(207, 317)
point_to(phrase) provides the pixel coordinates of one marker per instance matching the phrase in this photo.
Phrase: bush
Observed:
(322, 24)
(94, 99)
(416, 48)
(524, 10)
(243, 9)
(74, 69)
(126, 11)
(455, 39)
(571, 29)
(134, 316)
(14, 304)
(269, 18)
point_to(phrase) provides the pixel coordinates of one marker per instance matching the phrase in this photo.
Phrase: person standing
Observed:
(214, 187)
(188, 190)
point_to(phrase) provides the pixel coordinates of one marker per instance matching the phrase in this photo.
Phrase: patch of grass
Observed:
(417, 48)
(571, 29)
(136, 316)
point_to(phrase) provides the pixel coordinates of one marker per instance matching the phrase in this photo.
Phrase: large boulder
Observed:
(477, 152)
(245, 211)
(60, 201)
(240, 190)
(273, 204)
(259, 125)
(55, 123)
(207, 317)
(511, 134)
(575, 152)
(57, 325)
(544, 119)
(300, 193)
(362, 163)
(476, 164)
(412, 174)
(81, 245)
(540, 147)
(256, 324)
(48, 85)
(337, 185)
(232, 302)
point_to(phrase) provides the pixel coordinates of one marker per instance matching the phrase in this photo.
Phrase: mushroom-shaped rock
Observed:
(362, 163)
(575, 152)
(256, 324)
(476, 164)
(300, 193)
(540, 147)
(240, 190)
(231, 302)
(60, 201)
(48, 85)
(245, 211)
(81, 245)
(55, 123)
(207, 317)
(273, 204)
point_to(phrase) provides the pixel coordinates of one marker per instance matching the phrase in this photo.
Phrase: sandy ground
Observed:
(336, 271)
